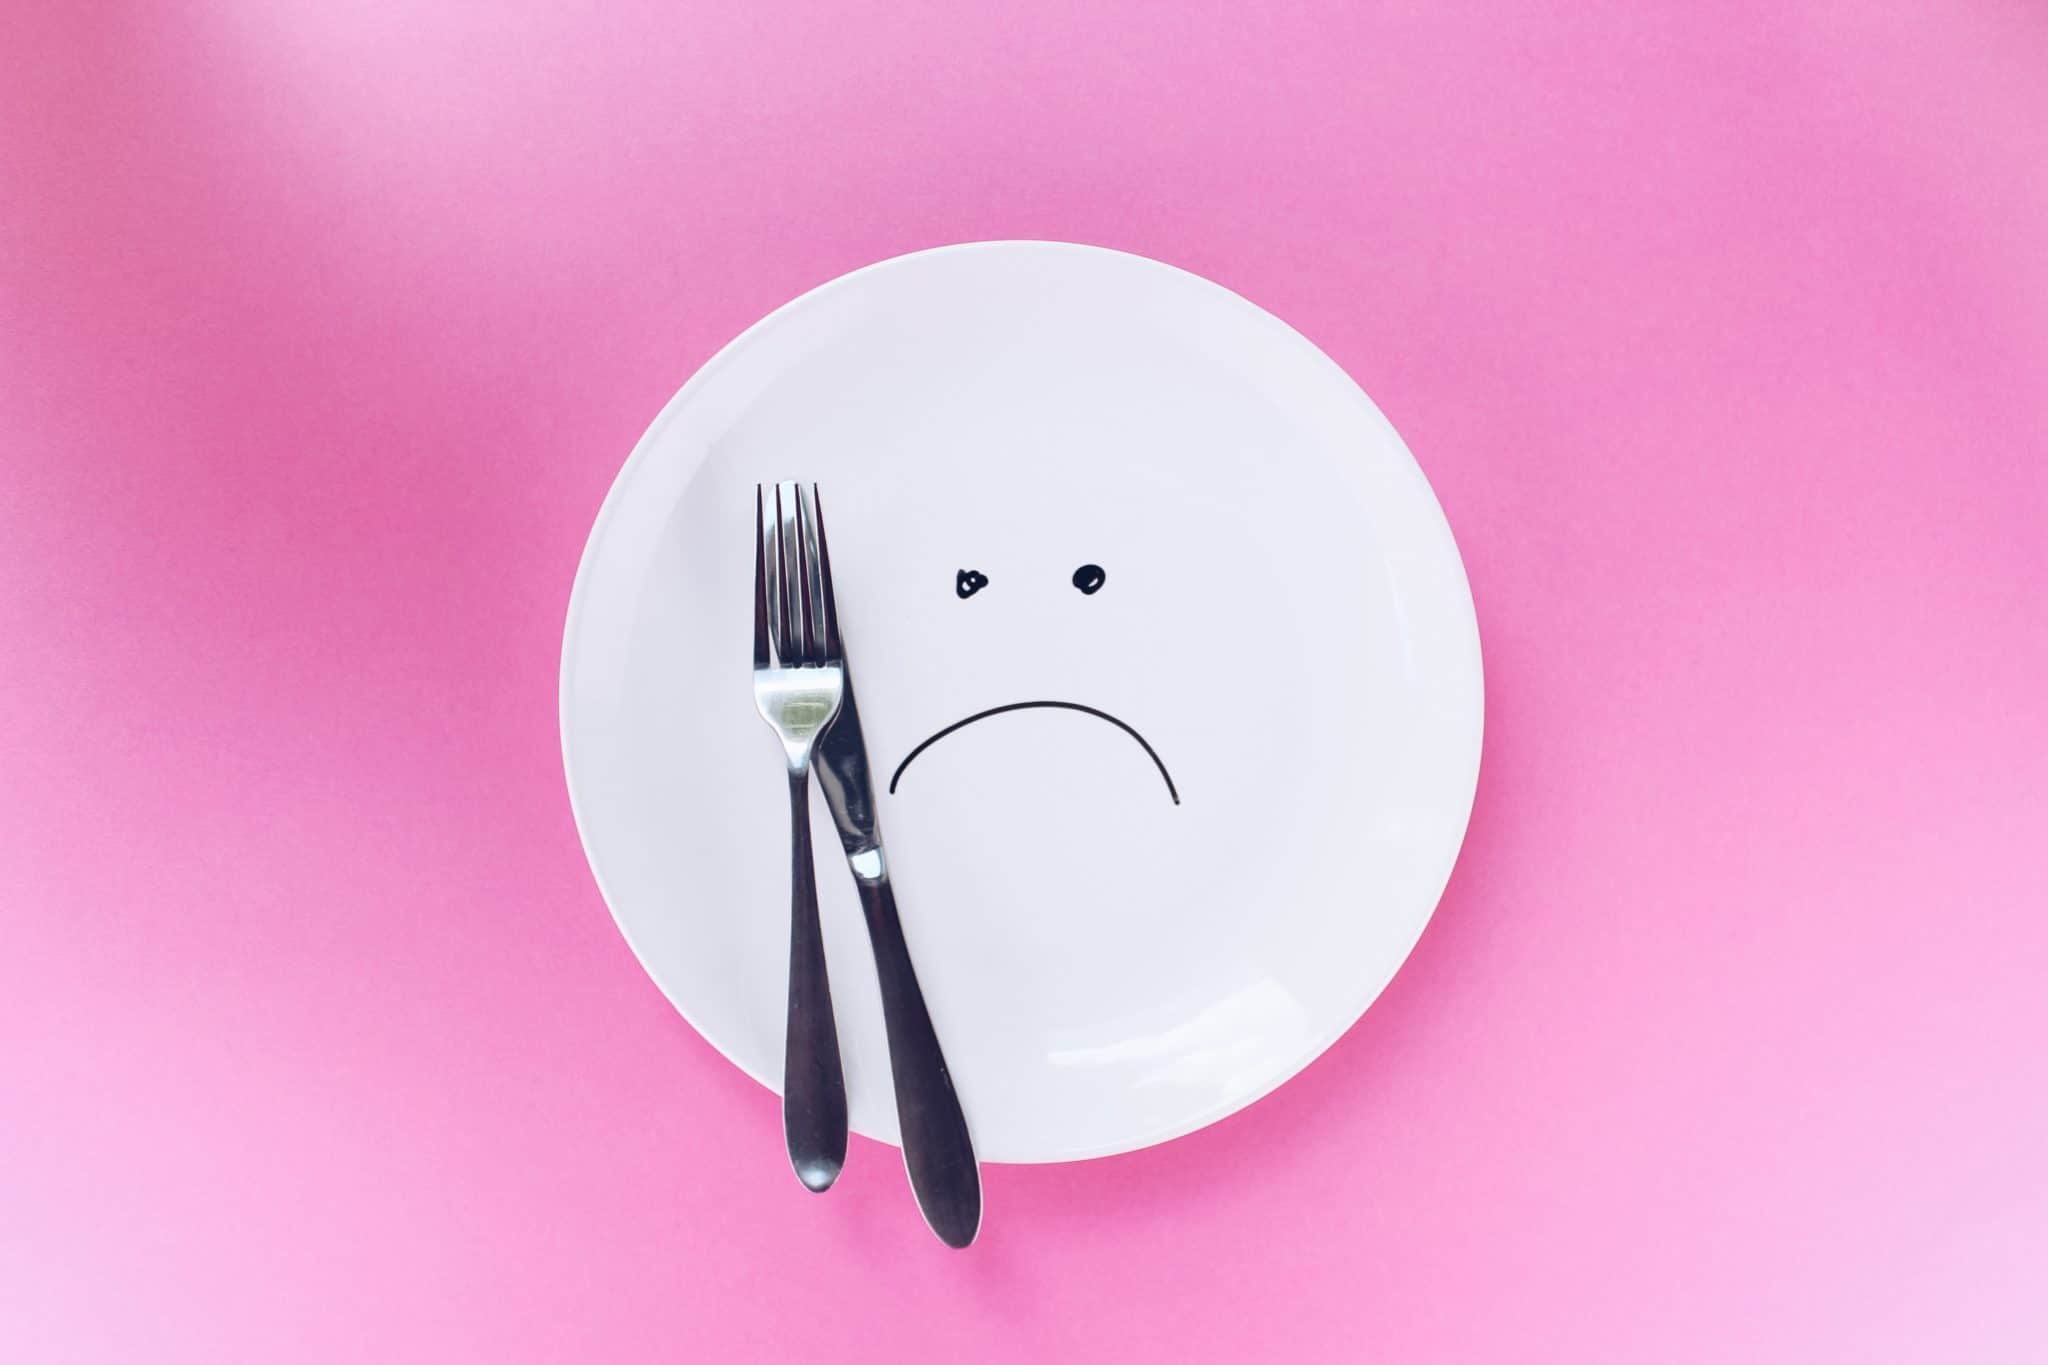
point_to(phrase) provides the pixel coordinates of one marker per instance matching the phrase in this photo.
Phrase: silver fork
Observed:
(799, 682)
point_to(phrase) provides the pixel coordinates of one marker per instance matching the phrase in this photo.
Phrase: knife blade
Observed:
(938, 1153)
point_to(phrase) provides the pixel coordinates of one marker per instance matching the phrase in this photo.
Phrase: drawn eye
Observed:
(1088, 578)
(970, 581)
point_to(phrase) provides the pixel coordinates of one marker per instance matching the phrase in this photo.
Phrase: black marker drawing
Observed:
(1124, 726)
(1088, 578)
(969, 582)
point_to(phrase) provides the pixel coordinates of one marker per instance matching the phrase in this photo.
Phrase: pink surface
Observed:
(1720, 331)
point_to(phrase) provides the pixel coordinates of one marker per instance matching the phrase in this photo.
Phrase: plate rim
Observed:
(575, 613)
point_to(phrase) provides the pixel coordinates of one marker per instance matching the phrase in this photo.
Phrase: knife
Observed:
(937, 1151)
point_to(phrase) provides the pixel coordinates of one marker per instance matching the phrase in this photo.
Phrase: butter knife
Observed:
(937, 1151)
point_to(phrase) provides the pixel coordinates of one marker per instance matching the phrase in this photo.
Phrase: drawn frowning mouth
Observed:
(1124, 726)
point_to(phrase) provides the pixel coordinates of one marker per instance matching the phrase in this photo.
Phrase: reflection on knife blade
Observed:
(849, 790)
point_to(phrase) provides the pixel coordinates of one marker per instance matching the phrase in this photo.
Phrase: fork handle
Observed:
(813, 1085)
(937, 1151)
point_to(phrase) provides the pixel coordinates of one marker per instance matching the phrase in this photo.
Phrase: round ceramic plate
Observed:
(1052, 473)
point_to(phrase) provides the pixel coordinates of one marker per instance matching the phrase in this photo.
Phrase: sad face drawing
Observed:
(1087, 580)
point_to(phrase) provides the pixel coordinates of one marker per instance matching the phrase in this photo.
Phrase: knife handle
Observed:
(936, 1148)
(813, 1084)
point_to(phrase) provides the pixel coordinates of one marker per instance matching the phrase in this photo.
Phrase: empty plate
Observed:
(1207, 616)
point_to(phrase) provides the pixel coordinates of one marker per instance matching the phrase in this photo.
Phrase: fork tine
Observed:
(787, 652)
(761, 659)
(828, 605)
(796, 620)
(777, 602)
(814, 575)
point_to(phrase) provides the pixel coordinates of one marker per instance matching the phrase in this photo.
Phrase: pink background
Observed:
(1722, 332)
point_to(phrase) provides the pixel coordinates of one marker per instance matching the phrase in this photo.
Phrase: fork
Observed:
(799, 682)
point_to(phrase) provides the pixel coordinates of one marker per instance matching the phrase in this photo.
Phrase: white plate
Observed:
(1283, 617)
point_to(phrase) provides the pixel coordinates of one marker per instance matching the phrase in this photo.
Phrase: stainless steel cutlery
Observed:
(937, 1150)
